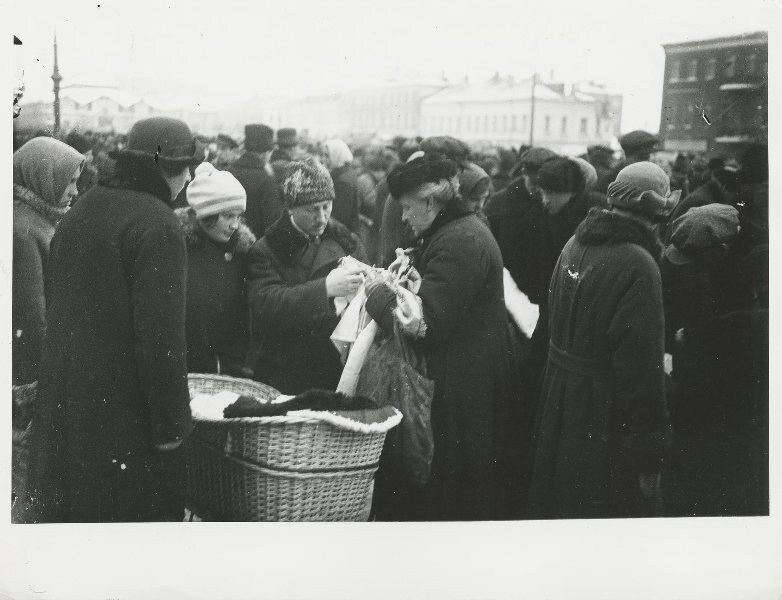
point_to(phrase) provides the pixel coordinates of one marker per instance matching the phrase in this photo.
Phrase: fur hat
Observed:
(287, 137)
(643, 188)
(587, 170)
(212, 192)
(306, 182)
(445, 147)
(163, 140)
(258, 138)
(701, 228)
(407, 177)
(532, 158)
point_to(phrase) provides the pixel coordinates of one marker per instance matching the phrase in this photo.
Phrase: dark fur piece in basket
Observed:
(248, 406)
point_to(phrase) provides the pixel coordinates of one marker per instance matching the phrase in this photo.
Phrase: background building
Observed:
(499, 112)
(715, 94)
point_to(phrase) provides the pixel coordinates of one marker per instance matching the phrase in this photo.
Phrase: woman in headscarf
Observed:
(338, 159)
(45, 175)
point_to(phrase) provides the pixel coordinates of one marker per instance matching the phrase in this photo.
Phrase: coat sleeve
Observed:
(158, 298)
(277, 307)
(636, 336)
(30, 290)
(455, 273)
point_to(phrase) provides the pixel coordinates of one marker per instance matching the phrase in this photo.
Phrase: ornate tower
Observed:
(56, 78)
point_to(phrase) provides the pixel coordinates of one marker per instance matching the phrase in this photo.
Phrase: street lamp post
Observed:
(532, 111)
(56, 78)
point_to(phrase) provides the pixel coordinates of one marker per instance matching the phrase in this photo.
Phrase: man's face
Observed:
(312, 218)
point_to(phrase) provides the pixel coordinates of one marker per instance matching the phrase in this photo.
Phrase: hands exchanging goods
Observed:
(344, 281)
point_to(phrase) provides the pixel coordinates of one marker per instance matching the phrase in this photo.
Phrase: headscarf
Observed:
(473, 182)
(339, 153)
(45, 166)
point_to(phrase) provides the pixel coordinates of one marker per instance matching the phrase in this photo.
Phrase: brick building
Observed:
(715, 94)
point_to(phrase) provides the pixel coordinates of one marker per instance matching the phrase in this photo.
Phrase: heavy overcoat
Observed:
(264, 200)
(31, 238)
(217, 334)
(602, 419)
(113, 381)
(346, 197)
(291, 317)
(467, 352)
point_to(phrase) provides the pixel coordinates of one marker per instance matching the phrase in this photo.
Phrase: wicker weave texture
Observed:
(296, 444)
(225, 488)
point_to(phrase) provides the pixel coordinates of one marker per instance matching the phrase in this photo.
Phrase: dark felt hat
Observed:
(560, 175)
(258, 138)
(408, 176)
(227, 140)
(532, 158)
(286, 136)
(162, 139)
(701, 228)
(638, 141)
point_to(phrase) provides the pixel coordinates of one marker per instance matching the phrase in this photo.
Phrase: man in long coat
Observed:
(264, 205)
(293, 278)
(113, 406)
(602, 423)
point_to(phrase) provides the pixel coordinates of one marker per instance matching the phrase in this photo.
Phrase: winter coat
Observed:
(346, 198)
(291, 317)
(279, 160)
(217, 335)
(467, 350)
(602, 419)
(32, 235)
(113, 381)
(264, 199)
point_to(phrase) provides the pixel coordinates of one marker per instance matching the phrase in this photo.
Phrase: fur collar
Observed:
(238, 245)
(606, 228)
(147, 181)
(53, 214)
(283, 238)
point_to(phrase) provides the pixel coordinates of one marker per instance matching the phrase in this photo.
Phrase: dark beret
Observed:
(409, 176)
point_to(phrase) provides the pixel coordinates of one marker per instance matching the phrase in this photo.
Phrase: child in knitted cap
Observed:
(218, 200)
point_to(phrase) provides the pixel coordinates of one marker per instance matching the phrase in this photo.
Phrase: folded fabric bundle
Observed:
(356, 413)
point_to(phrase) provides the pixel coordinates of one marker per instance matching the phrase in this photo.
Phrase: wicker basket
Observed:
(224, 488)
(285, 443)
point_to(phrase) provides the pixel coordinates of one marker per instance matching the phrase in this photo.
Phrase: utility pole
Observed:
(56, 78)
(532, 111)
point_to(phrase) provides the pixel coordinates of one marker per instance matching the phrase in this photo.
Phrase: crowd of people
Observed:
(641, 388)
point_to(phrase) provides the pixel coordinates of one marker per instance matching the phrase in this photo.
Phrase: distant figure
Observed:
(287, 150)
(338, 160)
(264, 202)
(601, 157)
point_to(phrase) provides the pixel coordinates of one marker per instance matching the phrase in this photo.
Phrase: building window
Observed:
(547, 127)
(564, 125)
(670, 117)
(524, 123)
(693, 72)
(676, 69)
(752, 64)
(730, 65)
(583, 129)
(711, 69)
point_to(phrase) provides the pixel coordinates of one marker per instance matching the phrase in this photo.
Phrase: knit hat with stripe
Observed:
(212, 192)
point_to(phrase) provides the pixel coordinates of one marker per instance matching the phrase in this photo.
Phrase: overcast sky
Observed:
(220, 52)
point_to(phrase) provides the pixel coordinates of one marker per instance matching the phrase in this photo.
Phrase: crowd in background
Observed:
(272, 214)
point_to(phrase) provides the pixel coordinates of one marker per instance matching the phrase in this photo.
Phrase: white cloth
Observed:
(522, 311)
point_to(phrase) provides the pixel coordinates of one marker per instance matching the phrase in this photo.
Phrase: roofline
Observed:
(744, 39)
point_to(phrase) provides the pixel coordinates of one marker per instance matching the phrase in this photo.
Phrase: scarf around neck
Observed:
(26, 196)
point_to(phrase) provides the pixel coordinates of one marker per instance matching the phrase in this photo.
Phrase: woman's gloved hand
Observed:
(409, 313)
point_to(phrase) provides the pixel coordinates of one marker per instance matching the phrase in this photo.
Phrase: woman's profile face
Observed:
(419, 209)
(224, 227)
(71, 191)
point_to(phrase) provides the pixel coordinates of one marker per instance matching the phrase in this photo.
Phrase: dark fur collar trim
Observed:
(195, 237)
(283, 238)
(146, 181)
(607, 228)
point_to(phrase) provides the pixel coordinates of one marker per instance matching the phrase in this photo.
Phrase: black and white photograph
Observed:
(390, 299)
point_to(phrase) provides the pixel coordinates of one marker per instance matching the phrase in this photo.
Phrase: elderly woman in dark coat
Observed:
(45, 175)
(113, 406)
(217, 245)
(465, 341)
(602, 424)
(293, 278)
